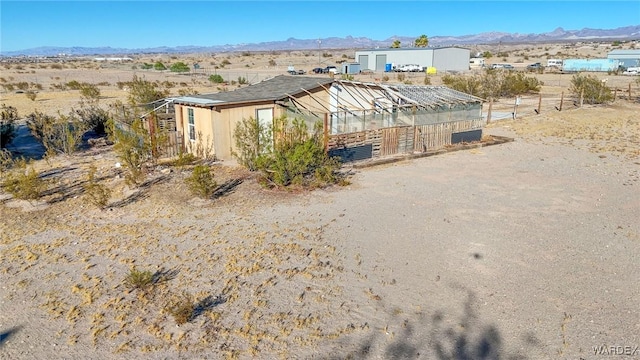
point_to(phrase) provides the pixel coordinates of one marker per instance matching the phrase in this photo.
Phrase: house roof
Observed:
(272, 89)
(635, 52)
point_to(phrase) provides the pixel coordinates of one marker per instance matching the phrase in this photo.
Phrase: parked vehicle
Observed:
(632, 71)
(502, 66)
(317, 70)
(331, 69)
(554, 63)
(534, 67)
(409, 68)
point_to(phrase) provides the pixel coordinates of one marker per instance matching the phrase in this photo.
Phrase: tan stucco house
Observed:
(365, 119)
(212, 118)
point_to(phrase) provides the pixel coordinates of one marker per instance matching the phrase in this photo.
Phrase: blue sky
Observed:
(142, 24)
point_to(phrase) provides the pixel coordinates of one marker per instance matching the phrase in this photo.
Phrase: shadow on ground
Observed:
(435, 336)
(6, 335)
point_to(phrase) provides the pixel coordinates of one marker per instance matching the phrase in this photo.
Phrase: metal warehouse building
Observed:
(443, 59)
(627, 58)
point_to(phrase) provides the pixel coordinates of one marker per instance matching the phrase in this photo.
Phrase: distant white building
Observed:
(443, 59)
(120, 59)
(627, 58)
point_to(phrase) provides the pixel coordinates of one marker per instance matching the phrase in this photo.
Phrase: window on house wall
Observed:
(192, 125)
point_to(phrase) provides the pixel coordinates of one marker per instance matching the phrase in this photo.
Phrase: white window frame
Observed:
(191, 124)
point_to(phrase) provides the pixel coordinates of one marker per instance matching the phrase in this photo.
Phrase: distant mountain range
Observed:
(349, 42)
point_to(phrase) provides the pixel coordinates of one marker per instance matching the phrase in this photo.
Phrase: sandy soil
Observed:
(522, 250)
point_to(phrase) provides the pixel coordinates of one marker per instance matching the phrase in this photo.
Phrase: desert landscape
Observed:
(523, 250)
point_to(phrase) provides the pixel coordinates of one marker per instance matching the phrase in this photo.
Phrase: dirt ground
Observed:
(524, 250)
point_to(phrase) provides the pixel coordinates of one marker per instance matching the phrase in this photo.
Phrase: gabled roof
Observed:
(273, 89)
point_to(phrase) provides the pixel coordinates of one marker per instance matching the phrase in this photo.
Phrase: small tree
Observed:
(591, 88)
(421, 41)
(159, 66)
(395, 44)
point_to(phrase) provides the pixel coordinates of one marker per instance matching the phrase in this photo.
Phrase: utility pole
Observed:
(319, 42)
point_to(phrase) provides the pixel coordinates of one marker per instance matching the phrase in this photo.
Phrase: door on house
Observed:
(265, 119)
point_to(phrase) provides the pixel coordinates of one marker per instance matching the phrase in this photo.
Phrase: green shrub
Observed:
(298, 157)
(252, 139)
(493, 83)
(97, 194)
(58, 135)
(24, 183)
(179, 67)
(591, 88)
(159, 66)
(201, 181)
(133, 147)
(216, 79)
(182, 307)
(138, 280)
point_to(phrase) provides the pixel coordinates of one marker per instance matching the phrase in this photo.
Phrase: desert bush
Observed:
(591, 88)
(31, 95)
(8, 117)
(89, 91)
(298, 157)
(132, 147)
(272, 62)
(202, 182)
(22, 85)
(427, 80)
(159, 66)
(6, 160)
(8, 87)
(182, 307)
(96, 193)
(56, 66)
(400, 76)
(225, 62)
(184, 158)
(179, 67)
(74, 85)
(143, 92)
(146, 66)
(60, 135)
(138, 280)
(347, 77)
(242, 80)
(216, 79)
(252, 139)
(24, 183)
(493, 83)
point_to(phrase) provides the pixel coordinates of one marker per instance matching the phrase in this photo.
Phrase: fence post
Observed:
(561, 101)
(615, 94)
(489, 111)
(629, 98)
(581, 97)
(539, 103)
